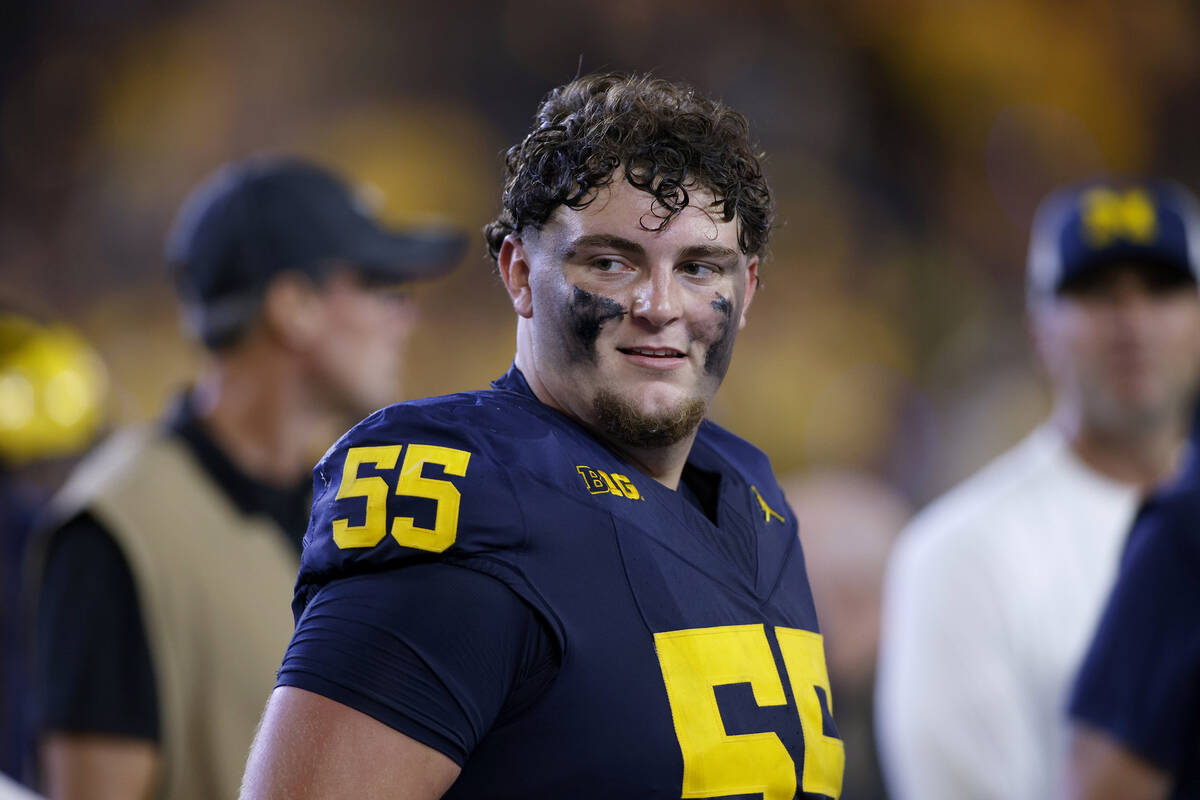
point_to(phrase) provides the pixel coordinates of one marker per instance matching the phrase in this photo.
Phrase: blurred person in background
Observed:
(162, 586)
(848, 521)
(1136, 701)
(53, 387)
(994, 590)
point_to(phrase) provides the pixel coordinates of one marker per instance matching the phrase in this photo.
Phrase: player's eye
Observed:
(606, 264)
(699, 270)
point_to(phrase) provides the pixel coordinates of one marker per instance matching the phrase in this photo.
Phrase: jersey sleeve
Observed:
(414, 484)
(412, 604)
(437, 652)
(1140, 681)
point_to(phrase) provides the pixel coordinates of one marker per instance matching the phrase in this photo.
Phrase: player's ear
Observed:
(292, 312)
(751, 288)
(514, 271)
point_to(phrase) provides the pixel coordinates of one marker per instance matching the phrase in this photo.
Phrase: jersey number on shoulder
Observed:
(410, 483)
(716, 764)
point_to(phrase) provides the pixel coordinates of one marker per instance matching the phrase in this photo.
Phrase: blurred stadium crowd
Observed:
(908, 143)
(907, 160)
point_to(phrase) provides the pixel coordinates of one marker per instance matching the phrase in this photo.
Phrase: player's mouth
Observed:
(654, 357)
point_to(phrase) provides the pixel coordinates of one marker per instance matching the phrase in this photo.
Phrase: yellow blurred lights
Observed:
(52, 391)
(17, 400)
(68, 398)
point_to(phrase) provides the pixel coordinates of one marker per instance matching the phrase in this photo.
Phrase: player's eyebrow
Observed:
(711, 251)
(604, 240)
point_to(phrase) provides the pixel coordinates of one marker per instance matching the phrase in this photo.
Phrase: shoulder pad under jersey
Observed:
(417, 481)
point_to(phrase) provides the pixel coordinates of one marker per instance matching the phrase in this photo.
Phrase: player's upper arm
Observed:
(437, 652)
(311, 747)
(412, 609)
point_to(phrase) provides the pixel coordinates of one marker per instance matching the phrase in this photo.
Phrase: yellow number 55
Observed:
(411, 483)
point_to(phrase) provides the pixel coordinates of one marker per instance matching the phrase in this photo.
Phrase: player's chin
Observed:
(637, 422)
(661, 398)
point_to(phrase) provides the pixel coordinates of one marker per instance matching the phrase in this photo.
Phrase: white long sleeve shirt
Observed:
(991, 597)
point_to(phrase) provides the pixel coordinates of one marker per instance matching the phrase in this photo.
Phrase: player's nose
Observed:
(656, 299)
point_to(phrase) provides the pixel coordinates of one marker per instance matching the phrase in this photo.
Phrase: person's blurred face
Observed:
(1123, 349)
(357, 361)
(630, 330)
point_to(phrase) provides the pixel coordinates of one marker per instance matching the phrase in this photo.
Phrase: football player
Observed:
(571, 585)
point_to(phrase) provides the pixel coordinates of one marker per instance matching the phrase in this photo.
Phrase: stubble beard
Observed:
(622, 421)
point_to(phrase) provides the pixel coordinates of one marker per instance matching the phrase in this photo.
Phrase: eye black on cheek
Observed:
(586, 314)
(720, 352)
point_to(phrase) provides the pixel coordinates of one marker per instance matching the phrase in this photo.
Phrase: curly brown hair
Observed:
(663, 136)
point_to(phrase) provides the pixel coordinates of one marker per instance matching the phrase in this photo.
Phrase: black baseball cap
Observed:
(1082, 229)
(254, 219)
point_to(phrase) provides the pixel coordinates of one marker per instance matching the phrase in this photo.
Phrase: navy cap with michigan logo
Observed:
(1081, 230)
(257, 218)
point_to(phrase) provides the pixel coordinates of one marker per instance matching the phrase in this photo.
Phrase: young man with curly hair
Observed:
(571, 585)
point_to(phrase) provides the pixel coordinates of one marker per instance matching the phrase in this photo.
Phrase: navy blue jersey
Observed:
(1140, 681)
(687, 659)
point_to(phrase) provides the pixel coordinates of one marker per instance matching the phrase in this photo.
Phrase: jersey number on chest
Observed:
(717, 764)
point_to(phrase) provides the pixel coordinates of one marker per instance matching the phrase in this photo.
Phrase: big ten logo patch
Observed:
(600, 482)
(1108, 215)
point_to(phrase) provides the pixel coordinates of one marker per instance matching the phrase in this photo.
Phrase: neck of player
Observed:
(663, 464)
